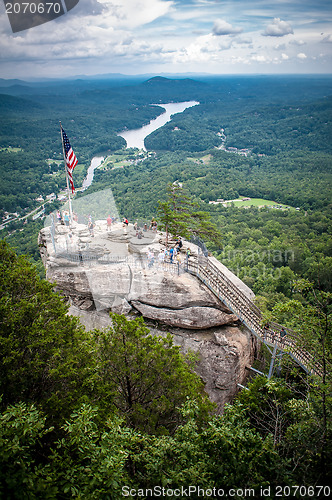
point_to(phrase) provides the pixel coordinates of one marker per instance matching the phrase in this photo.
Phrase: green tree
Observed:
(239, 454)
(312, 318)
(180, 215)
(225, 452)
(145, 377)
(90, 460)
(266, 403)
(45, 356)
(22, 474)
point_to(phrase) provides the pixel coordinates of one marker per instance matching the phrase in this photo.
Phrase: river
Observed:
(95, 162)
(135, 138)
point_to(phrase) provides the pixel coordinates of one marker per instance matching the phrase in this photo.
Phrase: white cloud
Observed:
(133, 13)
(244, 40)
(281, 46)
(259, 58)
(141, 36)
(207, 49)
(106, 33)
(297, 42)
(278, 28)
(222, 27)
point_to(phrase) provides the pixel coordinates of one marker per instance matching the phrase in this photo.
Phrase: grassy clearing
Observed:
(258, 202)
(50, 161)
(9, 149)
(116, 161)
(203, 160)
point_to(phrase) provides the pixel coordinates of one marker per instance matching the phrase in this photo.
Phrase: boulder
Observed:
(190, 317)
(221, 366)
(160, 288)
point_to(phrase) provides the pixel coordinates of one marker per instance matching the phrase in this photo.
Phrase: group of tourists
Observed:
(171, 254)
(64, 217)
(167, 255)
(153, 225)
(282, 333)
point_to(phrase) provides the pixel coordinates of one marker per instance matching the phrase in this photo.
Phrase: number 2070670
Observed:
(302, 491)
(33, 8)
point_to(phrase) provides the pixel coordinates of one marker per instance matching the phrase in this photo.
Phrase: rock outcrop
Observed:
(194, 318)
(110, 271)
(223, 355)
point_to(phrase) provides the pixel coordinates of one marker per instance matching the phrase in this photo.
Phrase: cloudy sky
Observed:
(173, 36)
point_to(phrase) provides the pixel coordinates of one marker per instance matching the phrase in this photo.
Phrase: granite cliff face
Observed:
(110, 271)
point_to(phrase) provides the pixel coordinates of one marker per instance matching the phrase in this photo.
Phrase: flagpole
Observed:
(68, 191)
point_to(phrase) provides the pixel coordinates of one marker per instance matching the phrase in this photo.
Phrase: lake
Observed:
(135, 138)
(95, 162)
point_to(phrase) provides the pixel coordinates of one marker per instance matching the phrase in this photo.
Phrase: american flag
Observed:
(71, 160)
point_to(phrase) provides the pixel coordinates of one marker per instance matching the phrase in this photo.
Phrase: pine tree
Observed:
(180, 215)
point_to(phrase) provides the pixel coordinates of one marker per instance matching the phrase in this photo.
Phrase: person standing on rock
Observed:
(150, 258)
(171, 255)
(90, 227)
(178, 244)
(66, 218)
(109, 223)
(161, 257)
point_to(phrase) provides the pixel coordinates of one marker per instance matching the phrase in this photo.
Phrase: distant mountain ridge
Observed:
(172, 82)
(8, 83)
(12, 104)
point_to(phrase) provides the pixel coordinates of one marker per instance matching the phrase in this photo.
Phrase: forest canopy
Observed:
(89, 414)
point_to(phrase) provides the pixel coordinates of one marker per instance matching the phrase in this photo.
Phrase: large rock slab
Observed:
(189, 317)
(162, 289)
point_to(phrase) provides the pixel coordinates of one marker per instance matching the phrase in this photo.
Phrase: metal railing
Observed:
(249, 314)
(134, 261)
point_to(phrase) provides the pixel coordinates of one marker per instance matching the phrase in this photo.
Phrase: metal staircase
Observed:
(250, 315)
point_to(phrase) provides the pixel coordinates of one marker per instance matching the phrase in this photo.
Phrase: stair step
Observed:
(244, 308)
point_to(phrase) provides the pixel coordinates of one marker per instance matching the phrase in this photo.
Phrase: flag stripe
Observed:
(71, 160)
